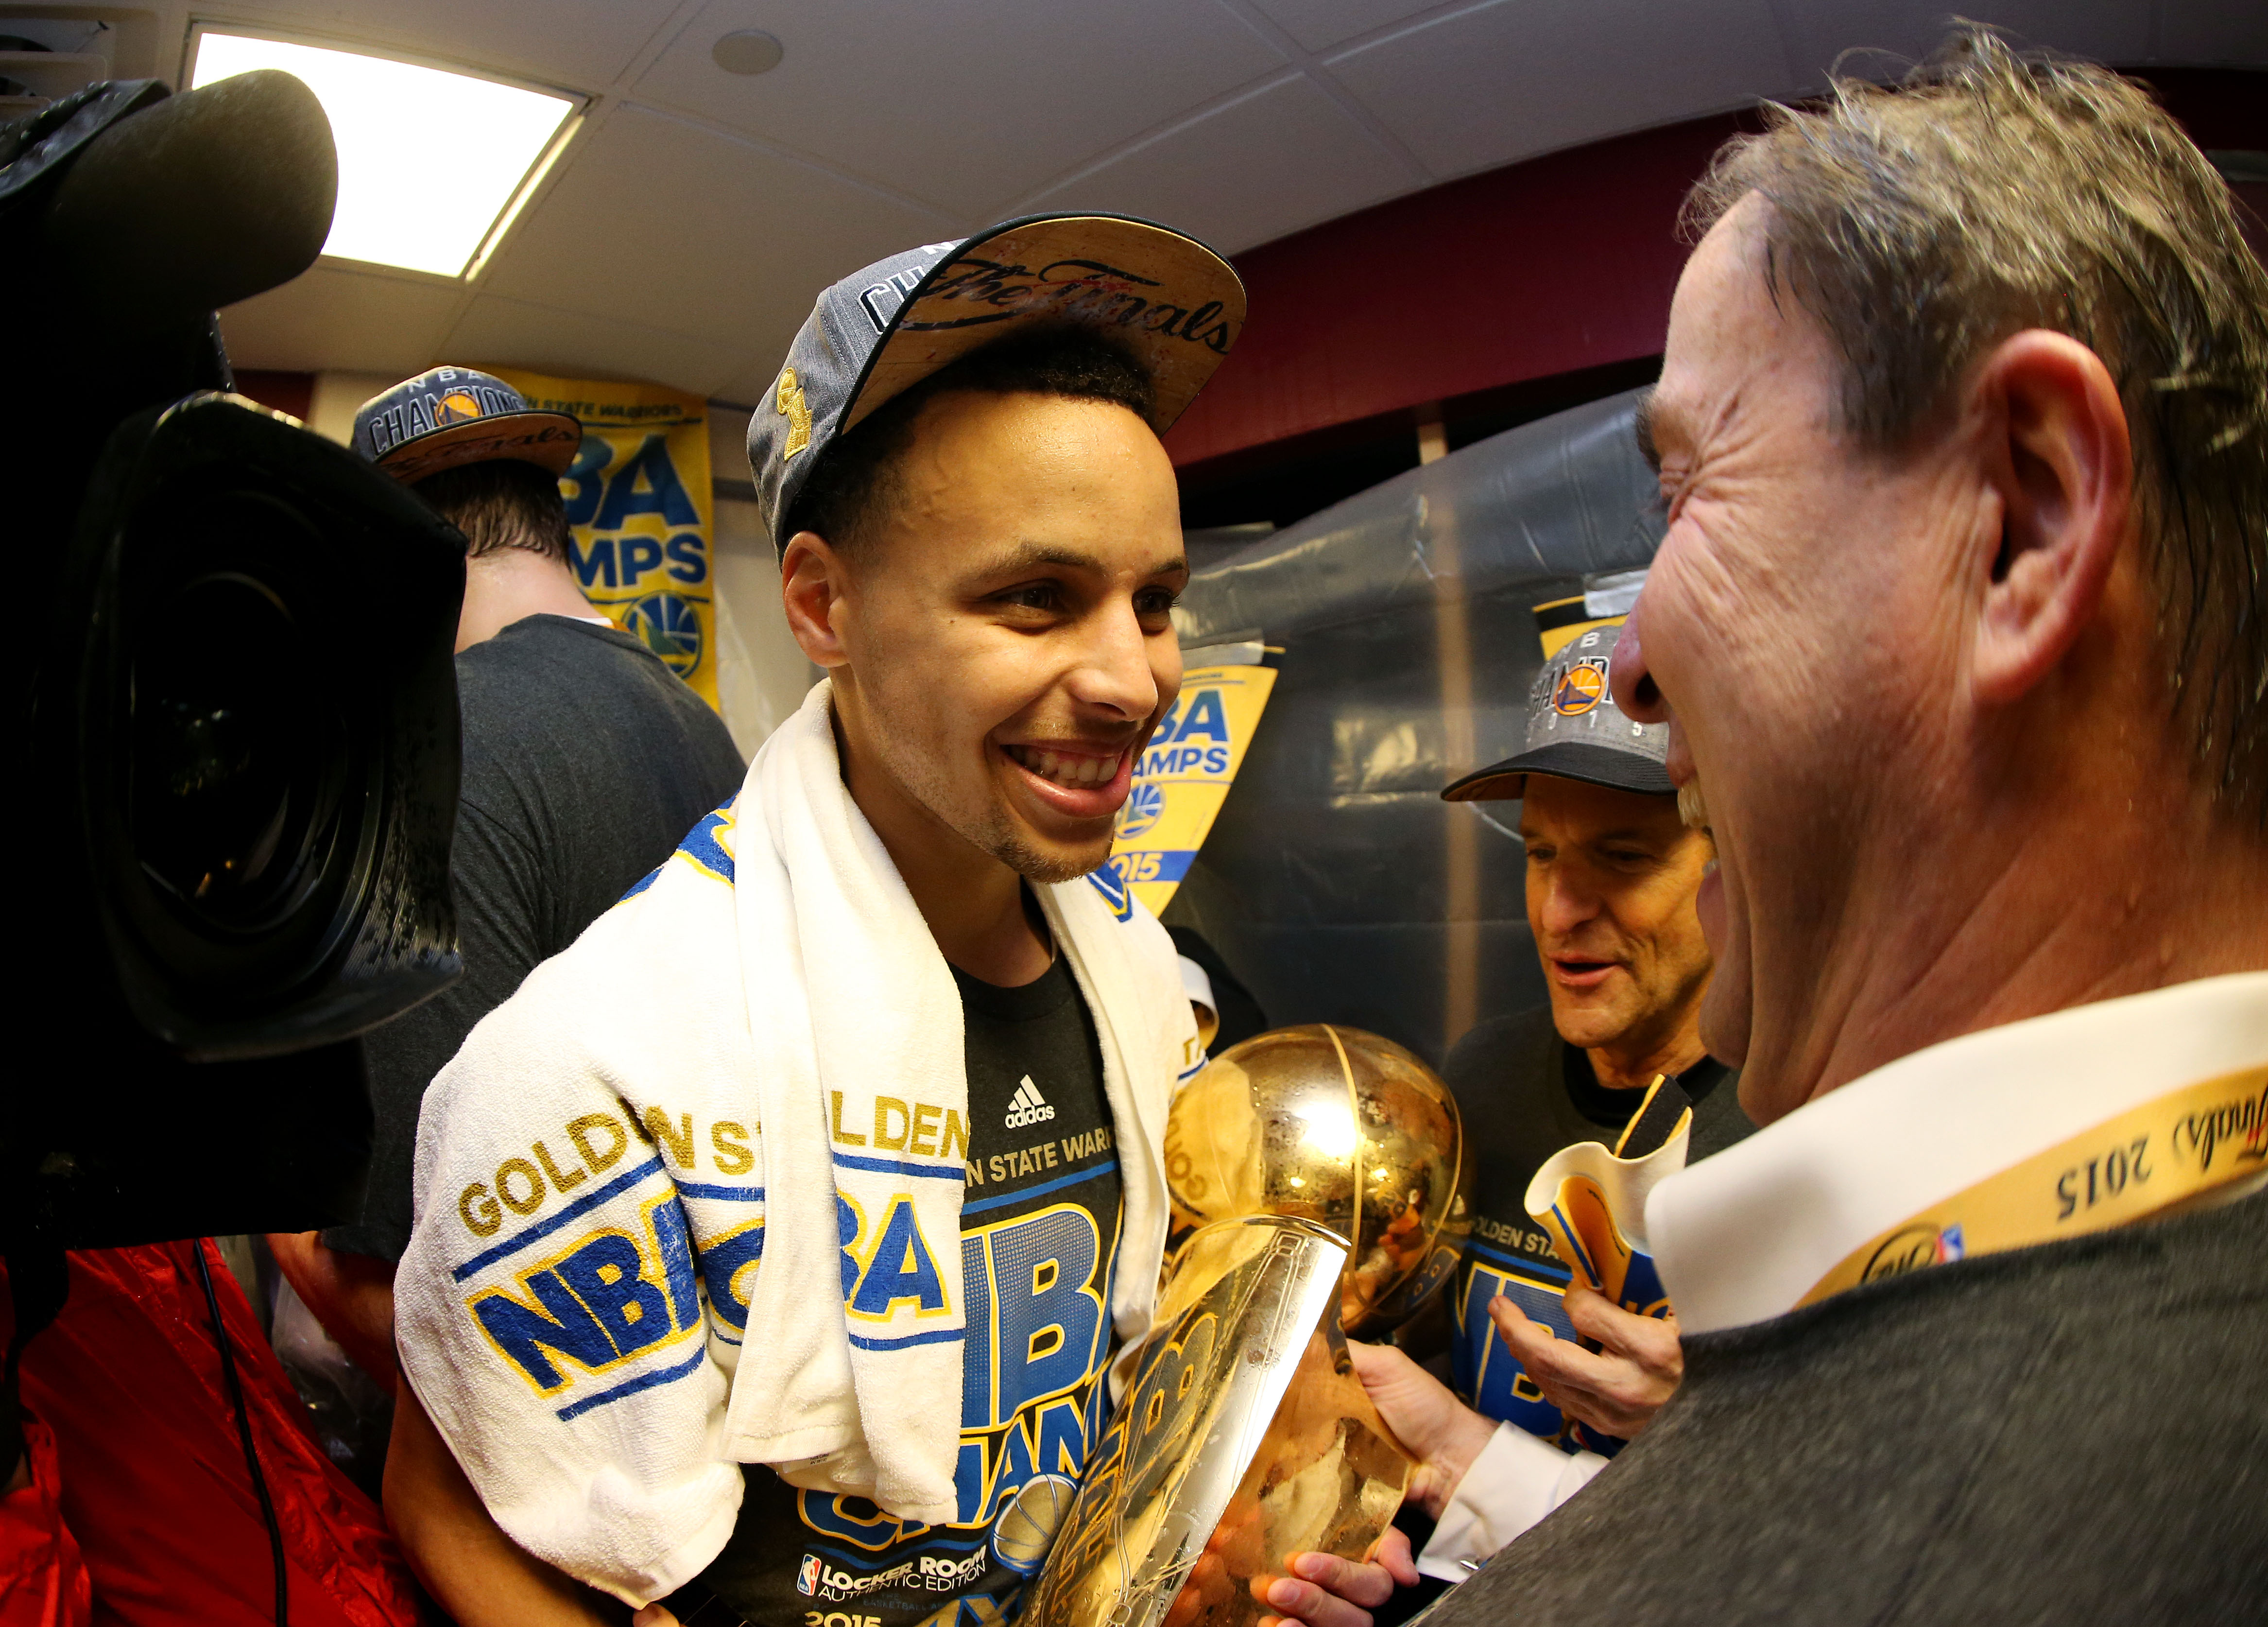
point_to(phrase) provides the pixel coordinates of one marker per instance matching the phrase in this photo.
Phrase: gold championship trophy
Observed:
(1323, 1172)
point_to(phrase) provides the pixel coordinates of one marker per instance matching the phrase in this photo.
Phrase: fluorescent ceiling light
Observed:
(428, 160)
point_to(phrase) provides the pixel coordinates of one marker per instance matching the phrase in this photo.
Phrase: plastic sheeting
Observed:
(1337, 883)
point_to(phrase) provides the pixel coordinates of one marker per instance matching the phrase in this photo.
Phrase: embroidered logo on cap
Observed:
(1580, 687)
(788, 397)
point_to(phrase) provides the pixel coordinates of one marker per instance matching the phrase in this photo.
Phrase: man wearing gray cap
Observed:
(1613, 872)
(775, 1243)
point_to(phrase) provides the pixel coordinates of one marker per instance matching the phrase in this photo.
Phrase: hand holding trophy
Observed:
(1323, 1171)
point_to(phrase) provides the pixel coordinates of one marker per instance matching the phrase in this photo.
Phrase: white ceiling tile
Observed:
(1268, 164)
(1510, 80)
(2235, 31)
(670, 225)
(1887, 35)
(966, 105)
(329, 317)
(514, 333)
(576, 44)
(1318, 25)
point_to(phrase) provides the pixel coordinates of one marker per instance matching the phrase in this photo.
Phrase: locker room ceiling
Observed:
(683, 235)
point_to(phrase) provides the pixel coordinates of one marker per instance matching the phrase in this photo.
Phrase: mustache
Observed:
(1593, 941)
(1693, 808)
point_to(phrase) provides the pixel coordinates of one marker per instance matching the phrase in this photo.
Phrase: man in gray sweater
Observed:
(1960, 628)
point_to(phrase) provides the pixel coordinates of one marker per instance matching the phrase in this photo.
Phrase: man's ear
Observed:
(812, 584)
(2056, 450)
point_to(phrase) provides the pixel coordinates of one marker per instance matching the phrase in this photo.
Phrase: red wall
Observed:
(1561, 263)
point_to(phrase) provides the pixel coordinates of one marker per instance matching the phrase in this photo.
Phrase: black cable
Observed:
(244, 1435)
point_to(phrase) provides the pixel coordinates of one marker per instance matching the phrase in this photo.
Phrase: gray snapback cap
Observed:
(1173, 302)
(450, 416)
(1576, 732)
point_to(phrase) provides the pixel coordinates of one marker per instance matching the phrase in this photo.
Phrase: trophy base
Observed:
(1327, 1478)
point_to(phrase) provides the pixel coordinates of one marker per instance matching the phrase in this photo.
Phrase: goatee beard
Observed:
(1047, 869)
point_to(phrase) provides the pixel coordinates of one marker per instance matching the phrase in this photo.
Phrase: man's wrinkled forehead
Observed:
(1733, 336)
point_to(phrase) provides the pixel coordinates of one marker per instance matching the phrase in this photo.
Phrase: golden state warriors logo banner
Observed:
(639, 498)
(1184, 776)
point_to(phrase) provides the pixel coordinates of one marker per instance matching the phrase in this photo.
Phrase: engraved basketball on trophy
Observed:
(1323, 1172)
(1342, 1128)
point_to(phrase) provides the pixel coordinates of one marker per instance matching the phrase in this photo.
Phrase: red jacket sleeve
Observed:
(43, 1581)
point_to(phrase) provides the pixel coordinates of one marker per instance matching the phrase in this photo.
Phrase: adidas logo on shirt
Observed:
(1028, 1107)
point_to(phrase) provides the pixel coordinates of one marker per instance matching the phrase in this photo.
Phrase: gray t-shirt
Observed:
(2071, 1432)
(586, 762)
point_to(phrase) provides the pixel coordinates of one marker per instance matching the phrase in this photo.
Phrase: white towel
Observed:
(756, 1056)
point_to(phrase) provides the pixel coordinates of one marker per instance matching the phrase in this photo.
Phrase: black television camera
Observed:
(231, 703)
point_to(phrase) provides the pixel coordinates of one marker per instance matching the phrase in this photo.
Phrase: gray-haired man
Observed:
(1961, 624)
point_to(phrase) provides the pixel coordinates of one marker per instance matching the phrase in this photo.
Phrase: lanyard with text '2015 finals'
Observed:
(2170, 1151)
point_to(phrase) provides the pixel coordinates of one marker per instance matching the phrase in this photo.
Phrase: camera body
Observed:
(234, 702)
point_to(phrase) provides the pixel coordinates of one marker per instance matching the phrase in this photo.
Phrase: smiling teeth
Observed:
(1079, 772)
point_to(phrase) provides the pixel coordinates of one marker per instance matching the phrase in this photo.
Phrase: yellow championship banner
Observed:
(1183, 778)
(638, 499)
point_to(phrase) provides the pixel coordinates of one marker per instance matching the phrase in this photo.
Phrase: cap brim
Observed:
(1574, 759)
(1174, 302)
(549, 439)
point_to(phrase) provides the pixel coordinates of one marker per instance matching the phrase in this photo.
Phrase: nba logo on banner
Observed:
(1181, 781)
(640, 506)
(806, 1580)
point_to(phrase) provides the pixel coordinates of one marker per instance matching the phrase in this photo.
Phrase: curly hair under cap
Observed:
(855, 481)
(1995, 190)
(500, 504)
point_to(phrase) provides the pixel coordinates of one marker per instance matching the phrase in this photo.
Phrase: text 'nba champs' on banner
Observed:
(1181, 781)
(638, 500)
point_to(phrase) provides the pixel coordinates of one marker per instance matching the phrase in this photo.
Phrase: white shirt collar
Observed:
(1743, 1236)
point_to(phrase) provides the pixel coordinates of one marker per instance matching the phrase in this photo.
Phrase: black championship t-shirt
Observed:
(1524, 1094)
(1039, 1232)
